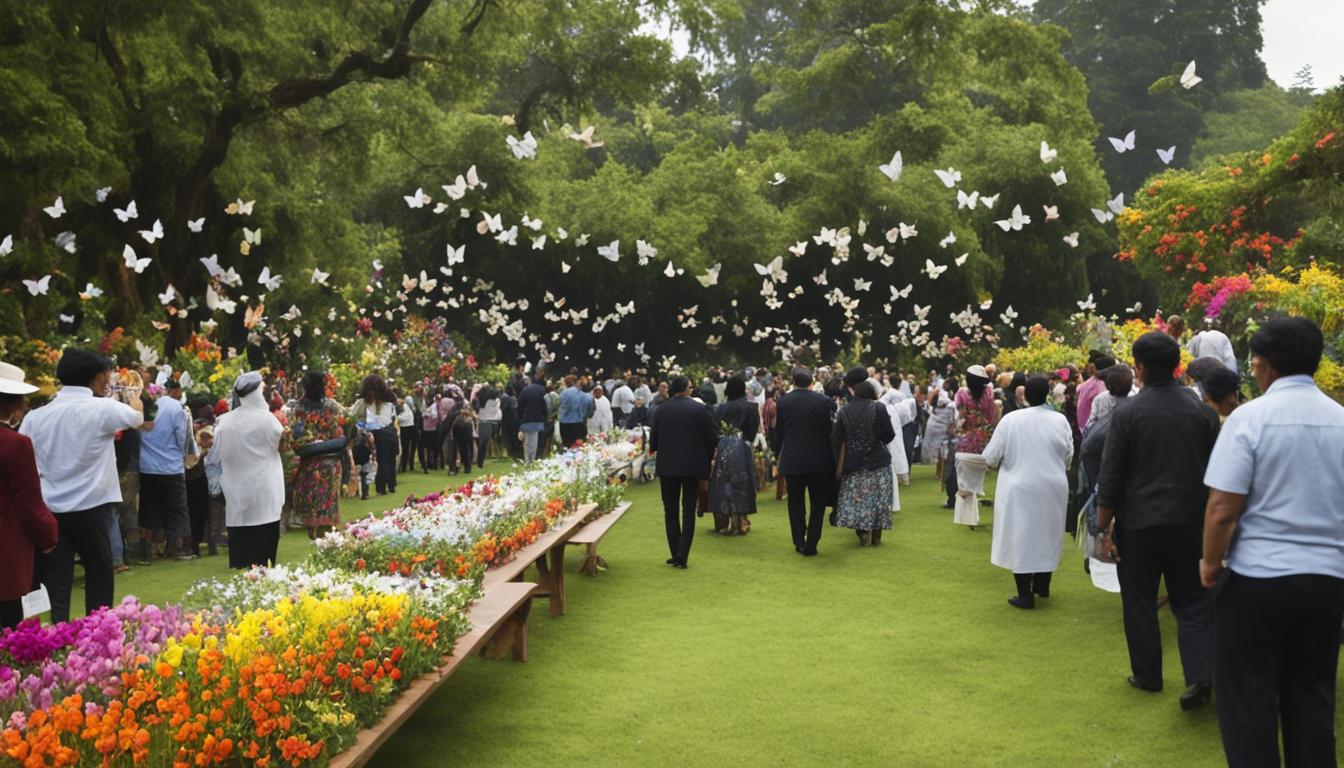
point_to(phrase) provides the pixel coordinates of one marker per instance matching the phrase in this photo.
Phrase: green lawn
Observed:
(902, 655)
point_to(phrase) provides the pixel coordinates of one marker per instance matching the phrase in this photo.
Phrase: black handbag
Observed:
(321, 448)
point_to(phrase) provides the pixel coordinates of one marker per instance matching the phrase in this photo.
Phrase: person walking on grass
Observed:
(803, 445)
(72, 444)
(859, 441)
(1150, 516)
(163, 482)
(251, 476)
(1274, 539)
(683, 436)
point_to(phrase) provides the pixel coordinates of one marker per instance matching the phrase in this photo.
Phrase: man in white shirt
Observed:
(73, 443)
(1275, 522)
(622, 401)
(601, 420)
(1213, 343)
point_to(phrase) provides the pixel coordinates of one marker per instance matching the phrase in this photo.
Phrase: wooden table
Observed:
(590, 534)
(549, 546)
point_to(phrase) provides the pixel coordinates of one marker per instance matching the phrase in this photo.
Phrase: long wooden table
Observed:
(548, 554)
(590, 534)
(500, 615)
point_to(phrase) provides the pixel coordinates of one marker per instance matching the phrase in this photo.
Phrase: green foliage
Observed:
(1246, 120)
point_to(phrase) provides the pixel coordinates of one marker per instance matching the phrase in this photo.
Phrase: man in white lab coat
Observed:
(1032, 447)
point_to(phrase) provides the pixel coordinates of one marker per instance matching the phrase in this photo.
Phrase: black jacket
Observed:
(639, 417)
(684, 436)
(1157, 448)
(742, 414)
(803, 433)
(874, 417)
(532, 404)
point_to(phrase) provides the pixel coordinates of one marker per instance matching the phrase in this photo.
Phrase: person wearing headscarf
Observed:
(251, 476)
(859, 438)
(732, 475)
(27, 527)
(975, 406)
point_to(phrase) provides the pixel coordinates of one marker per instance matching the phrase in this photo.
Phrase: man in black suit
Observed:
(803, 432)
(684, 436)
(533, 413)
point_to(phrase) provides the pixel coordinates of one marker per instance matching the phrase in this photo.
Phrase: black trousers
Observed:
(484, 431)
(1276, 655)
(83, 533)
(820, 489)
(410, 439)
(163, 509)
(908, 434)
(950, 478)
(680, 492)
(1033, 583)
(1171, 554)
(511, 442)
(198, 510)
(11, 613)
(385, 444)
(460, 445)
(572, 433)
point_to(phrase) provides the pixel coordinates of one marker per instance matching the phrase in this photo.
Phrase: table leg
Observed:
(557, 580)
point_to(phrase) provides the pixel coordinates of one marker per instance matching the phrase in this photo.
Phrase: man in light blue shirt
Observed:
(1275, 522)
(576, 406)
(163, 484)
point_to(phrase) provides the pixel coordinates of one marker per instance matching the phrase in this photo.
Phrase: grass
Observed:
(904, 655)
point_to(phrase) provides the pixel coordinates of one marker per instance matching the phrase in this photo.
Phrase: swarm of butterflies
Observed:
(496, 316)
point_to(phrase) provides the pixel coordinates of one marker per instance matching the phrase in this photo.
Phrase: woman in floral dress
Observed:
(732, 476)
(975, 406)
(316, 419)
(859, 438)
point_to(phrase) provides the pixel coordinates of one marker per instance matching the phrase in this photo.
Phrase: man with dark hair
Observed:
(1276, 478)
(1032, 446)
(1150, 502)
(73, 443)
(163, 483)
(683, 436)
(804, 420)
(533, 411)
(1221, 388)
(576, 406)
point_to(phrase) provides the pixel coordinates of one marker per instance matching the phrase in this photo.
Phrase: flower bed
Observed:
(282, 665)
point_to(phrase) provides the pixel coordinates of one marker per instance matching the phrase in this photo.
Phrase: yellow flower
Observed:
(172, 655)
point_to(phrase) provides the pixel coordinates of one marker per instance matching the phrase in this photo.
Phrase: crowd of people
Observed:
(1161, 470)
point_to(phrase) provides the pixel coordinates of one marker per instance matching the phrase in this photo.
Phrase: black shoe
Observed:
(798, 548)
(671, 561)
(680, 564)
(809, 551)
(949, 505)
(1135, 682)
(1196, 696)
(1022, 601)
(1043, 592)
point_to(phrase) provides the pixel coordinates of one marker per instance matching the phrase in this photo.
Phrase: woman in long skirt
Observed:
(317, 483)
(860, 436)
(732, 477)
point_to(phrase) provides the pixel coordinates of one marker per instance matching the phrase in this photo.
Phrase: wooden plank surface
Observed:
(598, 528)
(538, 549)
(493, 609)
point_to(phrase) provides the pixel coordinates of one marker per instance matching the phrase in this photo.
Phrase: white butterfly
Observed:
(319, 277)
(1087, 304)
(1102, 216)
(1059, 178)
(231, 277)
(474, 179)
(539, 242)
(672, 271)
(1072, 239)
(90, 291)
(1048, 155)
(949, 240)
(1166, 155)
(586, 138)
(457, 255)
(126, 214)
(1015, 222)
(893, 169)
(779, 179)
(490, 223)
(167, 296)
(7, 245)
(774, 270)
(153, 233)
(39, 286)
(826, 237)
(582, 239)
(137, 264)
(217, 301)
(645, 251)
(239, 208)
(457, 190)
(66, 319)
(272, 282)
(101, 194)
(1008, 315)
(862, 285)
(416, 200)
(409, 283)
(874, 252)
(933, 270)
(1122, 145)
(907, 231)
(961, 259)
(967, 201)
(610, 252)
(525, 149)
(509, 236)
(1188, 78)
(56, 210)
(564, 268)
(252, 236)
(901, 294)
(66, 241)
(196, 225)
(292, 313)
(820, 279)
(950, 178)
(798, 248)
(1051, 212)
(211, 264)
(1117, 203)
(989, 201)
(531, 223)
(711, 276)
(1136, 309)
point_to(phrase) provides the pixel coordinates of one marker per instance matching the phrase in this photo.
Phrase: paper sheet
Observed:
(1104, 575)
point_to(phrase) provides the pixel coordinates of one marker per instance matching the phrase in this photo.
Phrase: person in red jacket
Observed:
(26, 525)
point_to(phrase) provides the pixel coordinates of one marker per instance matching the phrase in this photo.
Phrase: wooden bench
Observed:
(547, 553)
(498, 626)
(590, 534)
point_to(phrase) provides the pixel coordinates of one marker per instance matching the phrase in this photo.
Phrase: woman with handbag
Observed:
(859, 438)
(317, 431)
(377, 409)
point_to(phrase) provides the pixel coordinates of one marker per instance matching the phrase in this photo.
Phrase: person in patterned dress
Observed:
(316, 419)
